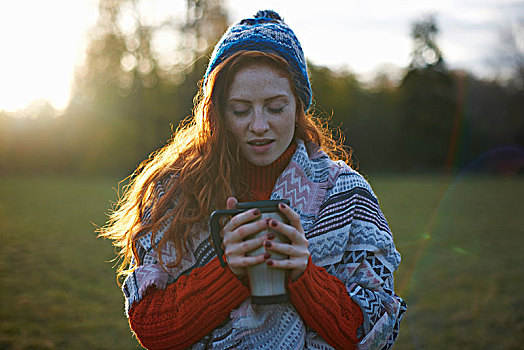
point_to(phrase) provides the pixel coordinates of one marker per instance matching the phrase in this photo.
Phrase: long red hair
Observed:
(195, 168)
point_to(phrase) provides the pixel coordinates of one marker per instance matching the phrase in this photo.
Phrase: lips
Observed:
(260, 146)
(260, 142)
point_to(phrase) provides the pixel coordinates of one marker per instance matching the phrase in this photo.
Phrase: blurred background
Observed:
(429, 95)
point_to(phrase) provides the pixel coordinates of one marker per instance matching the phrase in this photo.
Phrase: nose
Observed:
(259, 124)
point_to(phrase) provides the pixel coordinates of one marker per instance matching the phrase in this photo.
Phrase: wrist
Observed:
(296, 274)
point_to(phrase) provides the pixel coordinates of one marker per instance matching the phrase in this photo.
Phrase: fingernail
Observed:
(268, 244)
(256, 212)
(267, 256)
(270, 235)
(269, 262)
(282, 205)
(274, 223)
(268, 221)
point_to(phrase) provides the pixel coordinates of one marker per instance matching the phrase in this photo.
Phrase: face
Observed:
(261, 112)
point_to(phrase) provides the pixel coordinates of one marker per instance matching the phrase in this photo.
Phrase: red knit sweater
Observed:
(192, 307)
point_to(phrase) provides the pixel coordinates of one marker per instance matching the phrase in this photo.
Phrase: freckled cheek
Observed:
(237, 128)
(287, 126)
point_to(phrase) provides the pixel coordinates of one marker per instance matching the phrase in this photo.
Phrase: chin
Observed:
(261, 161)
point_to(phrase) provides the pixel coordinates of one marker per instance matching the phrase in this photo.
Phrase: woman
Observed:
(251, 139)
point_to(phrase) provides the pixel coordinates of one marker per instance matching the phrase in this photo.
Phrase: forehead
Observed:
(259, 81)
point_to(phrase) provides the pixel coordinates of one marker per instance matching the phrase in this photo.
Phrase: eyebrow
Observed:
(235, 99)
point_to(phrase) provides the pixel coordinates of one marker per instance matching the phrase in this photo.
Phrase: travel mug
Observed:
(268, 285)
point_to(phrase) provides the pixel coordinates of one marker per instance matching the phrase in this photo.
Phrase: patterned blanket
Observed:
(348, 236)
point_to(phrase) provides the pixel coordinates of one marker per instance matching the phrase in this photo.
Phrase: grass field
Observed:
(461, 241)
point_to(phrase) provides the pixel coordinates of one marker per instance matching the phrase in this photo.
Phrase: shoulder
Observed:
(339, 176)
(348, 180)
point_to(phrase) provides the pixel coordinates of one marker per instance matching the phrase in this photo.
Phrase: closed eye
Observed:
(276, 110)
(241, 113)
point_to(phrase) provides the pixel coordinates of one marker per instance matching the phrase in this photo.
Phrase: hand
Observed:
(235, 245)
(297, 249)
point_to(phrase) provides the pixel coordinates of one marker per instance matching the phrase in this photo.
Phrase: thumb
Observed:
(231, 203)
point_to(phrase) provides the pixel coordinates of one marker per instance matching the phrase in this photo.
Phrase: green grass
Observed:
(57, 290)
(461, 242)
(462, 273)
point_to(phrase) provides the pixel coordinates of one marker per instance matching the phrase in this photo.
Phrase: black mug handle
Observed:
(214, 225)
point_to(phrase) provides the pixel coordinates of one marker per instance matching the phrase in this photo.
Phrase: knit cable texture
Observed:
(166, 319)
(323, 302)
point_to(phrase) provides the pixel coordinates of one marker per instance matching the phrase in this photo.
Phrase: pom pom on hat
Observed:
(268, 14)
(266, 32)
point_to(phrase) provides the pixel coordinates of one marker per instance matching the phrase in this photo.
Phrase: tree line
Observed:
(128, 100)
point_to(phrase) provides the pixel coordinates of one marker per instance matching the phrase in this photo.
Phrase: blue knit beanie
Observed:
(266, 32)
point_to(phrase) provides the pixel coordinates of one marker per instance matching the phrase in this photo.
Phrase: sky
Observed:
(43, 42)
